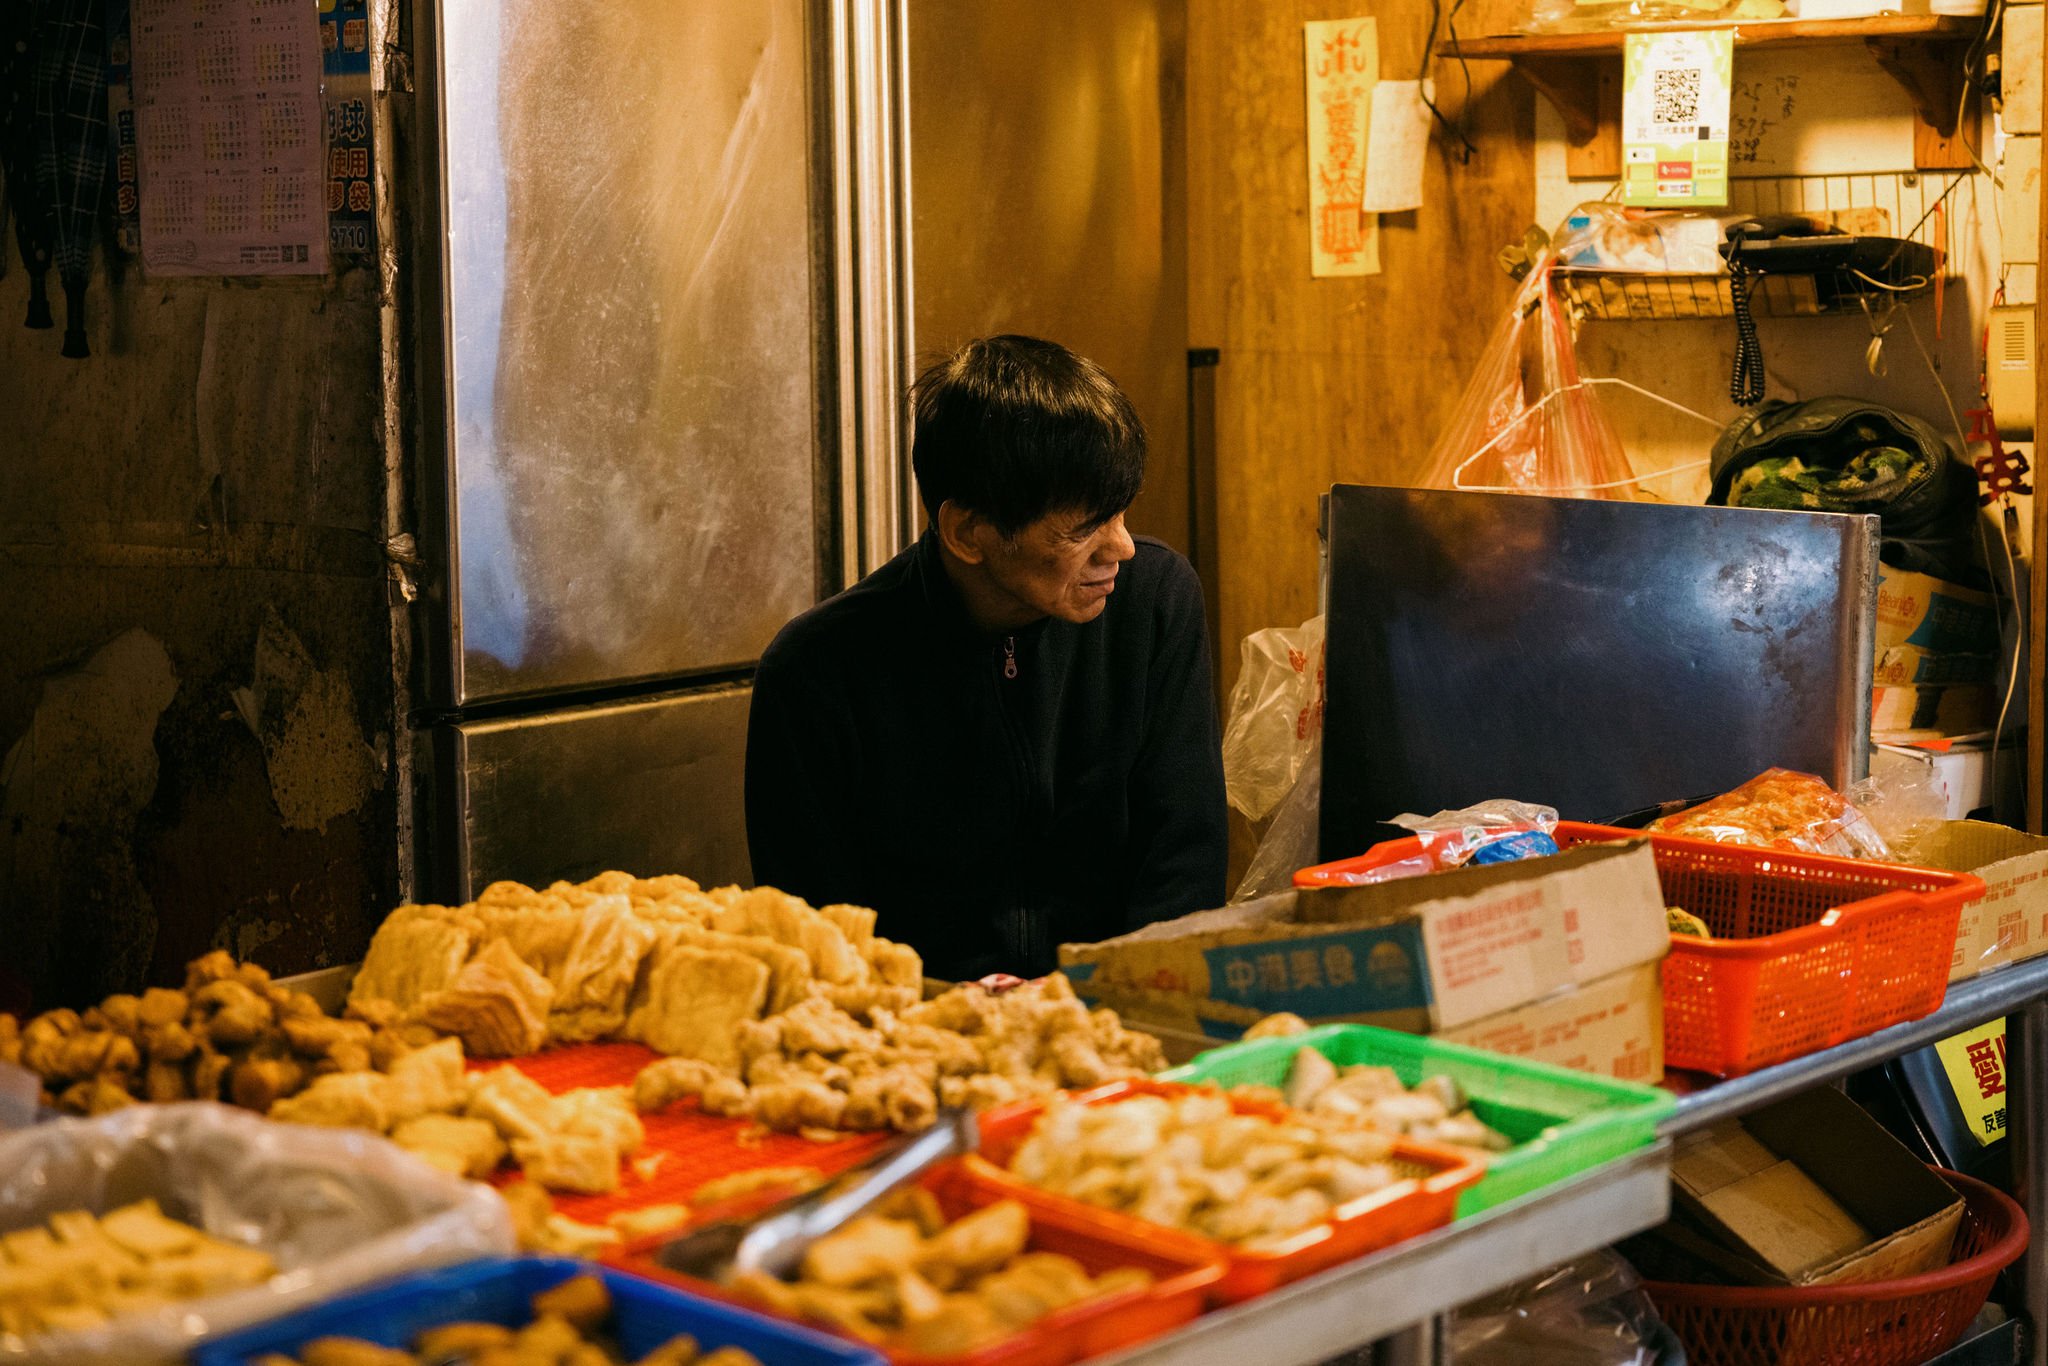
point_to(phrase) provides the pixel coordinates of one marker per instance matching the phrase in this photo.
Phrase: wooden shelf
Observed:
(1578, 74)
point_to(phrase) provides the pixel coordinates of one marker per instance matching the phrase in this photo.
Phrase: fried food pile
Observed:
(83, 1270)
(1436, 1110)
(658, 961)
(1191, 1162)
(230, 1034)
(818, 1067)
(905, 1277)
(568, 1329)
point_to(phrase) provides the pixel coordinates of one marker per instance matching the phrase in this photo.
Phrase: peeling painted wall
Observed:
(195, 672)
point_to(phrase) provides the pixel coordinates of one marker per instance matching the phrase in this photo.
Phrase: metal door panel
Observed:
(1595, 656)
(633, 334)
(649, 787)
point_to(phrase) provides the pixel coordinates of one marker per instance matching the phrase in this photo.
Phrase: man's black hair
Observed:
(1013, 428)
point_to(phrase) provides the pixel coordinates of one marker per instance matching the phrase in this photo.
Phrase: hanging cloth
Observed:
(18, 153)
(70, 92)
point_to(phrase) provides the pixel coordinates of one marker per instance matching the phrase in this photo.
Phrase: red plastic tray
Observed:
(690, 1146)
(1808, 950)
(1424, 1201)
(1182, 1275)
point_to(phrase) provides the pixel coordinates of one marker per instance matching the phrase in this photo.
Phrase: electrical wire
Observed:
(1467, 148)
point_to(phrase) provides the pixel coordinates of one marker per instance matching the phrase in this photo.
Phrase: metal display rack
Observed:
(1400, 1298)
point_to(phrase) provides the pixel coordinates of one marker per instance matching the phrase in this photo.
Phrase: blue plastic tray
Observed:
(499, 1289)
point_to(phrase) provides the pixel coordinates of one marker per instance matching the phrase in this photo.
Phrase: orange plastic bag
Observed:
(1528, 422)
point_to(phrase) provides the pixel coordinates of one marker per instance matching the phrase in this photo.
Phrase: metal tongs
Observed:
(775, 1240)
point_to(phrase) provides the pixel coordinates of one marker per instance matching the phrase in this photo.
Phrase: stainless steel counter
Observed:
(1390, 1292)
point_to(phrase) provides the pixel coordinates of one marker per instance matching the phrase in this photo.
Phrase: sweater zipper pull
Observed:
(1009, 656)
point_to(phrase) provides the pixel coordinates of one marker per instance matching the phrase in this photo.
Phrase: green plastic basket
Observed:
(1562, 1122)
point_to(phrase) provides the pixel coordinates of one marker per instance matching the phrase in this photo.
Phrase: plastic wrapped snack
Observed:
(1780, 809)
(331, 1207)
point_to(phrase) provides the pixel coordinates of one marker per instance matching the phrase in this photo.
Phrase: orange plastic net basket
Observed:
(685, 1147)
(1899, 1322)
(1808, 950)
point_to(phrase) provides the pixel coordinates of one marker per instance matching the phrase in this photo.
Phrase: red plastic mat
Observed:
(684, 1148)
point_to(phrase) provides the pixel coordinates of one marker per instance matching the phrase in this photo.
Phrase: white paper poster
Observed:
(1396, 145)
(1343, 65)
(231, 137)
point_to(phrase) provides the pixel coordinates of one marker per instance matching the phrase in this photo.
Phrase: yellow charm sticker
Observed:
(1975, 1063)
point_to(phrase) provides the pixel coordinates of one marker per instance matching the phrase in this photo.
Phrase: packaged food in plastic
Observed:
(1275, 716)
(1781, 809)
(1604, 236)
(334, 1208)
(1590, 1312)
(1498, 831)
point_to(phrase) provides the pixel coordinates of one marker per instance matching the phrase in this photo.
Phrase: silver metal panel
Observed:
(1597, 656)
(649, 787)
(872, 251)
(632, 336)
(1374, 1297)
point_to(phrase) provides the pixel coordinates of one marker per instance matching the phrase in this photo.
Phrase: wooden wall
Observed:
(1321, 381)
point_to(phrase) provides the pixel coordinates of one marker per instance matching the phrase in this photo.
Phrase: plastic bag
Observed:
(1905, 800)
(1291, 841)
(1276, 716)
(1605, 236)
(336, 1208)
(1590, 1312)
(1526, 422)
(1780, 809)
(1498, 831)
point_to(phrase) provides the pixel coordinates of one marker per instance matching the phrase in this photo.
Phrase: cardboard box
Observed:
(1613, 1026)
(1933, 615)
(2010, 922)
(1899, 712)
(1425, 954)
(1810, 1191)
(1904, 666)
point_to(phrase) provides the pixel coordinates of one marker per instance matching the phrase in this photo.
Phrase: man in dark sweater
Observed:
(1005, 738)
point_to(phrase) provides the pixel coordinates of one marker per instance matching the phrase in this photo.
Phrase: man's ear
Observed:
(961, 533)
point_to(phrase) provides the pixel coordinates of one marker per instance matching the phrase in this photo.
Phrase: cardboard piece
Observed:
(1613, 1026)
(1904, 666)
(1920, 711)
(1425, 954)
(1933, 615)
(1810, 1191)
(2009, 923)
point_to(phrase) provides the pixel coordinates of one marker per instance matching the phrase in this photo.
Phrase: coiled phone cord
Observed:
(1746, 383)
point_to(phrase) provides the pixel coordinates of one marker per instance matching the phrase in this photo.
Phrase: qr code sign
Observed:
(1675, 96)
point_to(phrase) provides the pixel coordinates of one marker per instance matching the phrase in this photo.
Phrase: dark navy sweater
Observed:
(892, 764)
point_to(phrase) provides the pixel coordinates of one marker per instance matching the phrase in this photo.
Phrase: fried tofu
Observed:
(340, 1100)
(415, 952)
(586, 1164)
(691, 1000)
(454, 1143)
(497, 1005)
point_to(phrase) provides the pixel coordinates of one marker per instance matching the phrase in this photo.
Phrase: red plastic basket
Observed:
(1875, 1323)
(1182, 1275)
(1425, 1200)
(1808, 950)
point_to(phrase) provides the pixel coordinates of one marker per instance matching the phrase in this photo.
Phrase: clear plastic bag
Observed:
(1291, 841)
(1497, 831)
(334, 1207)
(1781, 809)
(1590, 1312)
(1527, 421)
(1276, 716)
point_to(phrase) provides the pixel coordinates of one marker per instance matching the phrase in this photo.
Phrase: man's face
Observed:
(1062, 565)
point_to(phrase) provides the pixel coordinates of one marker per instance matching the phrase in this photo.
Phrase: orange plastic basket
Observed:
(1899, 1322)
(1807, 951)
(1182, 1274)
(1426, 1199)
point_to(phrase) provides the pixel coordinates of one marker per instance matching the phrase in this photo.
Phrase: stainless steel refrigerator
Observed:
(657, 299)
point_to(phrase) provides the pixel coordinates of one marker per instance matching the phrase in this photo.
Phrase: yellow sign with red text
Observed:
(1975, 1063)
